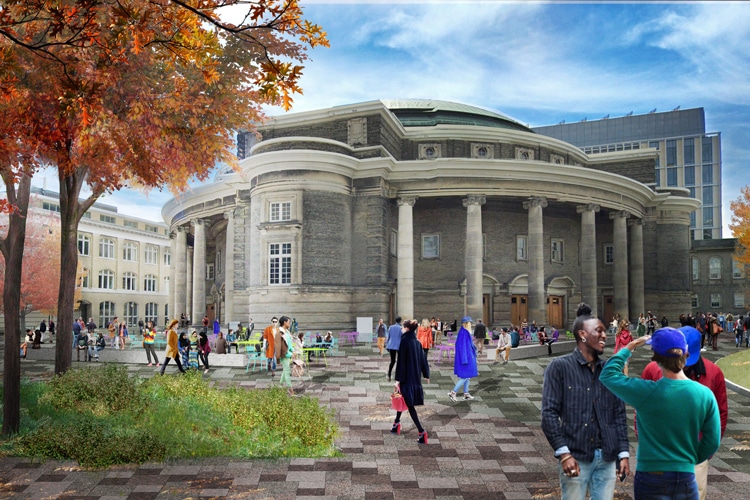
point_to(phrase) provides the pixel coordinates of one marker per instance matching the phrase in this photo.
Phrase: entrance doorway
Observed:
(486, 310)
(609, 309)
(519, 309)
(555, 311)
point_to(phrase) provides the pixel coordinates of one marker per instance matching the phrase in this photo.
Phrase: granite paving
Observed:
(488, 448)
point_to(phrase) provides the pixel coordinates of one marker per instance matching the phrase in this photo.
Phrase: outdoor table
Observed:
(350, 336)
(317, 351)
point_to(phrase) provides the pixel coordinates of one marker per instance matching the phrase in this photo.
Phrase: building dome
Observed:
(430, 112)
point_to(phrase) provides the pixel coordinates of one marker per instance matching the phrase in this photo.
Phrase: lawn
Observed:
(99, 416)
(736, 367)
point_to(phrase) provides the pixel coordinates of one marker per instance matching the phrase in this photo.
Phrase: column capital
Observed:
(182, 229)
(620, 214)
(199, 222)
(535, 201)
(635, 222)
(589, 207)
(474, 199)
(407, 200)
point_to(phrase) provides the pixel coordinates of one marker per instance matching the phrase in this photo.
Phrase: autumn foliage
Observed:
(137, 93)
(740, 225)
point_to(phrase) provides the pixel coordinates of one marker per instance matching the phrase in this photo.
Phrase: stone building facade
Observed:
(719, 282)
(424, 208)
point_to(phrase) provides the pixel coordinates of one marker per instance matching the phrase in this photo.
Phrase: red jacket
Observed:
(704, 372)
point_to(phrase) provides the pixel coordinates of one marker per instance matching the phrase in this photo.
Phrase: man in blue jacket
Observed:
(393, 343)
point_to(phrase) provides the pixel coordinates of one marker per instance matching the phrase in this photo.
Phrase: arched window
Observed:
(152, 312)
(130, 314)
(84, 244)
(107, 248)
(714, 268)
(129, 281)
(149, 283)
(130, 252)
(107, 279)
(106, 313)
(696, 265)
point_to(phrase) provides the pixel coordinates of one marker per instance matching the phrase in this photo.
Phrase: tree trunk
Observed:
(12, 250)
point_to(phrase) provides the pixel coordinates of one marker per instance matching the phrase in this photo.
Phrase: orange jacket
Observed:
(424, 335)
(268, 335)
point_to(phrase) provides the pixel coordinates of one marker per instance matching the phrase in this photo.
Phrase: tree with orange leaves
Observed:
(147, 93)
(740, 225)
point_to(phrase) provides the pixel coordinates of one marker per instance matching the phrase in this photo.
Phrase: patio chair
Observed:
(253, 357)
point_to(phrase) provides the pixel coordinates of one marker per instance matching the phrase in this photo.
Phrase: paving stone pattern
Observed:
(488, 448)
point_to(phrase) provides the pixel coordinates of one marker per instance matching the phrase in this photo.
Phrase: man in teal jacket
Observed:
(678, 419)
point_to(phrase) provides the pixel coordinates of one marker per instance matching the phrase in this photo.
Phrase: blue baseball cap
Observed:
(466, 319)
(693, 339)
(665, 339)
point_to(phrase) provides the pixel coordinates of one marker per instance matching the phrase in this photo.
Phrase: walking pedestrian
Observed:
(381, 336)
(284, 346)
(149, 337)
(172, 351)
(465, 361)
(393, 343)
(411, 368)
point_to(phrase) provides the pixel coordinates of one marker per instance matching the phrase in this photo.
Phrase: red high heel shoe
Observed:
(396, 429)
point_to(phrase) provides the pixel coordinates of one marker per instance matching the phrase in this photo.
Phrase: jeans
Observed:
(665, 486)
(597, 476)
(462, 382)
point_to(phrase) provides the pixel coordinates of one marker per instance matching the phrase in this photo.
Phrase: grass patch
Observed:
(100, 416)
(736, 367)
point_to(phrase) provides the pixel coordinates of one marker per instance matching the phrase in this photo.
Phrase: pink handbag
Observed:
(397, 401)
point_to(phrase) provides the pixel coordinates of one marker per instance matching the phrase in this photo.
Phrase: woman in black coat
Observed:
(412, 366)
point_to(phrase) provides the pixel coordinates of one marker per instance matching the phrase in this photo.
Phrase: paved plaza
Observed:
(488, 448)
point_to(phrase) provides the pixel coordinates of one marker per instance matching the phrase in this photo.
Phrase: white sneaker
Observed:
(468, 396)
(452, 396)
(703, 349)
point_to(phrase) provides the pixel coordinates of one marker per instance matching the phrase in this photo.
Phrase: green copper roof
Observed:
(428, 113)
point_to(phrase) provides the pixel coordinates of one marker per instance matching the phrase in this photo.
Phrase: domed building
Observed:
(424, 208)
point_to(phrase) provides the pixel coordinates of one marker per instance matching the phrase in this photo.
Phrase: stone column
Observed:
(405, 275)
(199, 271)
(179, 264)
(172, 278)
(537, 298)
(620, 258)
(189, 286)
(589, 285)
(637, 301)
(473, 257)
(229, 269)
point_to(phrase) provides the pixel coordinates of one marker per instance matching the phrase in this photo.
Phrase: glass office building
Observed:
(689, 157)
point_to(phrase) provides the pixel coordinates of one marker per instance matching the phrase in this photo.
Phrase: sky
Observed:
(537, 62)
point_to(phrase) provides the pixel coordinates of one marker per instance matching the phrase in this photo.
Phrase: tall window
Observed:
(84, 244)
(281, 211)
(130, 252)
(166, 313)
(394, 242)
(210, 271)
(714, 268)
(130, 314)
(694, 301)
(430, 246)
(707, 174)
(107, 248)
(690, 176)
(715, 300)
(166, 285)
(708, 216)
(151, 313)
(149, 283)
(737, 269)
(707, 152)
(152, 255)
(708, 195)
(107, 279)
(129, 281)
(672, 176)
(739, 300)
(556, 250)
(167, 257)
(688, 151)
(522, 247)
(280, 264)
(671, 152)
(696, 268)
(84, 282)
(106, 313)
(692, 219)
(609, 254)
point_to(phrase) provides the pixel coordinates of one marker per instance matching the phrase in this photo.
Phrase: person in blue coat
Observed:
(393, 343)
(465, 362)
(412, 366)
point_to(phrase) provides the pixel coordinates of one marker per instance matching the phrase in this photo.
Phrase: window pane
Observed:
(689, 151)
(690, 176)
(708, 216)
(739, 299)
(707, 153)
(714, 268)
(672, 176)
(708, 195)
(521, 247)
(708, 174)
(696, 269)
(671, 152)
(430, 246)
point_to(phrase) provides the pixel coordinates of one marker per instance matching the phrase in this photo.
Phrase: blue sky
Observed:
(537, 62)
